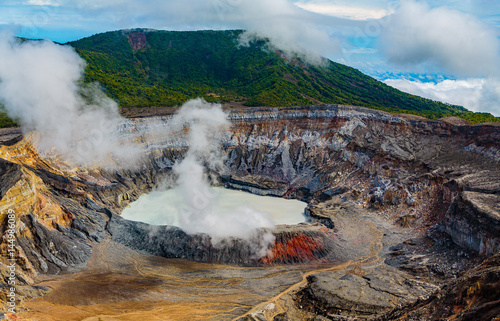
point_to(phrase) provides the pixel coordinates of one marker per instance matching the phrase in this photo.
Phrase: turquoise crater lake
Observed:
(166, 207)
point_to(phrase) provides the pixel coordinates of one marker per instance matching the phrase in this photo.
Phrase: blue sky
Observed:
(447, 50)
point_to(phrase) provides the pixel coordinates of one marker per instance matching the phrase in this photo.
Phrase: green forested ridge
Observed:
(169, 67)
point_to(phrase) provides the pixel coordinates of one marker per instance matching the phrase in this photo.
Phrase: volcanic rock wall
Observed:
(415, 168)
(473, 222)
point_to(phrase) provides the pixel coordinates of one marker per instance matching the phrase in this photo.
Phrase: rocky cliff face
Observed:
(473, 222)
(375, 184)
(473, 296)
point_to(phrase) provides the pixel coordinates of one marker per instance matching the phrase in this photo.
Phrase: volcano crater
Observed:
(388, 198)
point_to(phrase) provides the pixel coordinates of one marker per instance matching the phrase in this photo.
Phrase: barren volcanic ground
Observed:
(404, 223)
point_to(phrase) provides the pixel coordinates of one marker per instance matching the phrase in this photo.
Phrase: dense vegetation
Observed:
(6, 121)
(166, 68)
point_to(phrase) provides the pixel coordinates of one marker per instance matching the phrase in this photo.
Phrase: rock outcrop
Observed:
(307, 243)
(473, 296)
(473, 222)
(336, 294)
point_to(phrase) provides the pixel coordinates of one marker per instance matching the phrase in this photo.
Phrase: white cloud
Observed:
(457, 42)
(476, 94)
(289, 28)
(351, 11)
(43, 2)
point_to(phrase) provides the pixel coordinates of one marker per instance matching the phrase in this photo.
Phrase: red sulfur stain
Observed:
(457, 309)
(295, 248)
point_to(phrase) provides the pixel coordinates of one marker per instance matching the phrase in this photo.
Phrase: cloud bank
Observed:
(476, 94)
(41, 86)
(424, 39)
(456, 42)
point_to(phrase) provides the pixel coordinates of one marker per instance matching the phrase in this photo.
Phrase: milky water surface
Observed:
(166, 207)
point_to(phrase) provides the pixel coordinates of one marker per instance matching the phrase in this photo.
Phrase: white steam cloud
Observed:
(205, 121)
(41, 86)
(455, 41)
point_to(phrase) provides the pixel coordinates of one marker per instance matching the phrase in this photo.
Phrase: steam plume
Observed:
(41, 86)
(205, 121)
